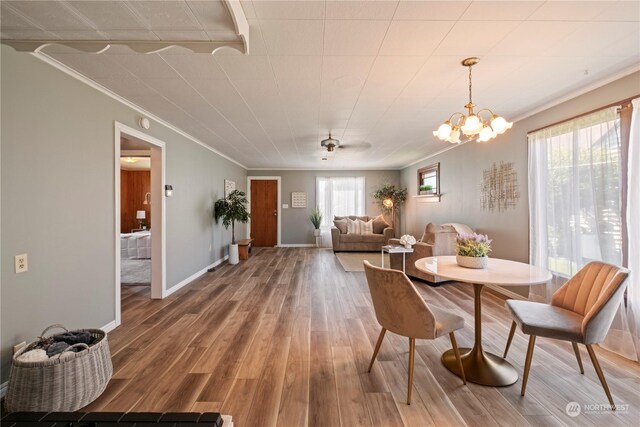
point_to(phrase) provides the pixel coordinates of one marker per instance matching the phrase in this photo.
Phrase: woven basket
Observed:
(62, 383)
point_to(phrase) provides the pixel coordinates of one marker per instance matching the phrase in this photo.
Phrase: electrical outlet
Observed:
(21, 263)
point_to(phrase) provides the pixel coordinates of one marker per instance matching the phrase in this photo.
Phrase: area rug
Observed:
(135, 271)
(353, 261)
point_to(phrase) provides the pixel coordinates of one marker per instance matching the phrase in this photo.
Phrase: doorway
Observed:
(139, 215)
(264, 204)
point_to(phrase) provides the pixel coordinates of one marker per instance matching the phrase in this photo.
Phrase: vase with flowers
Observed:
(472, 250)
(407, 240)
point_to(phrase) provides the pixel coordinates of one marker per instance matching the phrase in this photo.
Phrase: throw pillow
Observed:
(379, 224)
(366, 227)
(353, 227)
(432, 229)
(341, 224)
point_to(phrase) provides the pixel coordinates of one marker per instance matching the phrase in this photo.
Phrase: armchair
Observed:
(436, 240)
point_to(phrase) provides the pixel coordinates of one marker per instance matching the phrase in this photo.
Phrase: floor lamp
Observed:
(388, 203)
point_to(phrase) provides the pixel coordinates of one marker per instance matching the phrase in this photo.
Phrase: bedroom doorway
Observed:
(139, 216)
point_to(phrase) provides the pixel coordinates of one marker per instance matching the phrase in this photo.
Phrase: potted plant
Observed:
(472, 250)
(316, 220)
(426, 189)
(232, 209)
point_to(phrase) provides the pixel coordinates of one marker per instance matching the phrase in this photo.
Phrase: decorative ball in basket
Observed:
(472, 250)
(67, 381)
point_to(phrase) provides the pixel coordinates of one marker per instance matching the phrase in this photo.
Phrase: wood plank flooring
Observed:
(284, 339)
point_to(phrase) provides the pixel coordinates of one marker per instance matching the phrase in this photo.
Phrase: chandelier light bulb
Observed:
(471, 125)
(444, 131)
(485, 134)
(499, 124)
(454, 137)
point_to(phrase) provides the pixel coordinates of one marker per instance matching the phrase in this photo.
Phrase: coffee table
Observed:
(393, 249)
(481, 367)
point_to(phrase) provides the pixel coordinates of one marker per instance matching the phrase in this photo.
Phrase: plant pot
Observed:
(423, 192)
(316, 232)
(318, 241)
(407, 246)
(233, 254)
(472, 261)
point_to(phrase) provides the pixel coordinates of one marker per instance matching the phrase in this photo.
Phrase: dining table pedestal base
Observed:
(481, 368)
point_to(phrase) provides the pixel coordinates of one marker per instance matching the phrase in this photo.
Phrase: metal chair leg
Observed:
(511, 333)
(454, 344)
(576, 350)
(527, 363)
(412, 348)
(596, 365)
(375, 351)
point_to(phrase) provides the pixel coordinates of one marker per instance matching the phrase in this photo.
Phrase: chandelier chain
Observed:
(470, 101)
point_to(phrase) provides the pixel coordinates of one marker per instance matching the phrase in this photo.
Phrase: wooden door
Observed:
(264, 212)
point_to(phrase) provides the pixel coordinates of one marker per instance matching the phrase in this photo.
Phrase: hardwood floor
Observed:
(285, 338)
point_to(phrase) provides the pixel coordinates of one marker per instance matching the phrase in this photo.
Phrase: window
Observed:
(341, 196)
(575, 192)
(429, 180)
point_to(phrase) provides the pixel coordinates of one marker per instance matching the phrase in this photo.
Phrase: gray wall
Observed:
(296, 227)
(57, 164)
(461, 173)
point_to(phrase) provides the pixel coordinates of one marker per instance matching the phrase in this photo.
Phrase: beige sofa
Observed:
(360, 242)
(436, 240)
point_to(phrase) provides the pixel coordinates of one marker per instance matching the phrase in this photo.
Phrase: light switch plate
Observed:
(285, 206)
(21, 263)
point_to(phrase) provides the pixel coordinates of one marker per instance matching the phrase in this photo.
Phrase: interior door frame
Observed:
(158, 214)
(279, 205)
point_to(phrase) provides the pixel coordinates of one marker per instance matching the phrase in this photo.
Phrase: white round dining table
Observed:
(482, 367)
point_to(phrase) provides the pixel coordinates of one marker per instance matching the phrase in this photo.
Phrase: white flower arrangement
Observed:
(407, 240)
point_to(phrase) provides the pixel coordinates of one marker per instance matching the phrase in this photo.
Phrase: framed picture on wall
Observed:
(229, 186)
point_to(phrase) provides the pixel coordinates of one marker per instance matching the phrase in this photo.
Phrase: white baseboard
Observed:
(109, 326)
(193, 277)
(297, 245)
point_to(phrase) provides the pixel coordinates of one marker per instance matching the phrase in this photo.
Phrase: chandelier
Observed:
(472, 125)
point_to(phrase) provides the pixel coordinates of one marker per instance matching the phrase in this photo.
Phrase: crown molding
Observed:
(84, 79)
(323, 170)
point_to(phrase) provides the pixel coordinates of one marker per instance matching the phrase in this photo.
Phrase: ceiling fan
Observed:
(330, 143)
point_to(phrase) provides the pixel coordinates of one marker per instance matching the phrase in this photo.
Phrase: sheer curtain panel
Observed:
(575, 209)
(338, 196)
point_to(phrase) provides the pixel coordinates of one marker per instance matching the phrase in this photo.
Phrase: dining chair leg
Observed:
(576, 350)
(511, 333)
(454, 344)
(596, 365)
(527, 363)
(412, 349)
(378, 344)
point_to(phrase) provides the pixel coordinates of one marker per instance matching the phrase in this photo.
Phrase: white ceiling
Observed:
(380, 75)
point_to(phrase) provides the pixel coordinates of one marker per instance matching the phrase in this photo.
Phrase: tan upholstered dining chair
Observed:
(581, 312)
(400, 309)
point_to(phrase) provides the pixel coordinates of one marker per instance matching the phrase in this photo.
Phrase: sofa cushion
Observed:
(362, 238)
(353, 226)
(432, 229)
(379, 224)
(366, 227)
(341, 224)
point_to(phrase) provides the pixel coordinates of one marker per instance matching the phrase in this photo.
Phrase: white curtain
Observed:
(575, 187)
(625, 336)
(338, 196)
(574, 196)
